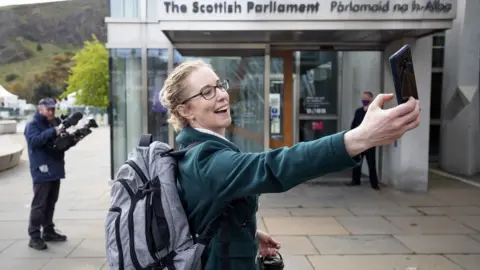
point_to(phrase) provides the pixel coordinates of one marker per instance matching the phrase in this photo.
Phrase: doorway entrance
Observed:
(304, 103)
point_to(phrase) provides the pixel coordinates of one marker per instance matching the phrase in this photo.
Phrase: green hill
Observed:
(31, 35)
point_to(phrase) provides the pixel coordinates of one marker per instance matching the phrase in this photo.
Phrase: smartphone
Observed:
(403, 74)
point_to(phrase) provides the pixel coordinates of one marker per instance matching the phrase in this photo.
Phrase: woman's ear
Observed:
(185, 112)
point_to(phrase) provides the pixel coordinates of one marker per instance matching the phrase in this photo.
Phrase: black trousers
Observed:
(372, 168)
(45, 196)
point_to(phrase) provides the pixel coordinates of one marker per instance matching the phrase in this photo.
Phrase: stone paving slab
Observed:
(429, 225)
(470, 221)
(475, 237)
(382, 210)
(303, 226)
(75, 264)
(450, 210)
(296, 262)
(364, 244)
(383, 262)
(321, 212)
(440, 244)
(296, 245)
(468, 262)
(273, 212)
(368, 225)
(89, 248)
(20, 249)
(23, 264)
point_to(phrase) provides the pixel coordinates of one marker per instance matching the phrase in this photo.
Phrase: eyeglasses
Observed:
(209, 91)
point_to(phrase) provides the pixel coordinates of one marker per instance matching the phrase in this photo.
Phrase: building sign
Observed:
(218, 10)
(316, 105)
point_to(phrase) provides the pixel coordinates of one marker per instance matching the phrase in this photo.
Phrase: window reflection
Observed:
(314, 129)
(126, 93)
(318, 83)
(276, 97)
(124, 8)
(157, 71)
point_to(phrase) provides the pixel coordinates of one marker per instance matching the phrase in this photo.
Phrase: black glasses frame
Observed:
(223, 85)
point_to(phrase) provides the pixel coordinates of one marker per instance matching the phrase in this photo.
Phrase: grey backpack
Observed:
(146, 226)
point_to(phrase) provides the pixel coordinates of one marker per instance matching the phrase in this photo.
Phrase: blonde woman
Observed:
(215, 176)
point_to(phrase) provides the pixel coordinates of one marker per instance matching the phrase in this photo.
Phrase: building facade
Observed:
(297, 70)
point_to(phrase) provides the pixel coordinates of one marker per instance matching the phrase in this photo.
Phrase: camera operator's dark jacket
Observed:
(40, 135)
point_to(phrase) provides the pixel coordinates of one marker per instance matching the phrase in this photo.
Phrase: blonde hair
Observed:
(175, 89)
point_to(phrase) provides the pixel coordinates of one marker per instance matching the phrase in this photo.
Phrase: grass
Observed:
(35, 65)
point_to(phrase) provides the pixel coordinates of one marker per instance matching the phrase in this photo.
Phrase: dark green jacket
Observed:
(215, 172)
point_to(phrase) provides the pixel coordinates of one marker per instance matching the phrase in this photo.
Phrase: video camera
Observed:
(65, 140)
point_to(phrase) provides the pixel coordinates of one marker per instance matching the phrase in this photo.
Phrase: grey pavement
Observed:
(321, 226)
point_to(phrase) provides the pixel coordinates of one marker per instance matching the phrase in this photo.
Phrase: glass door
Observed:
(125, 104)
(318, 94)
(281, 99)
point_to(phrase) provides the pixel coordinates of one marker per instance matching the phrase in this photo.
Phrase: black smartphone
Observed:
(403, 74)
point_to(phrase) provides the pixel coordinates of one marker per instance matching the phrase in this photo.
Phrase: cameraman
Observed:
(47, 167)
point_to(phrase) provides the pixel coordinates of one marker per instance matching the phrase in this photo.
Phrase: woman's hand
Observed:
(267, 245)
(381, 127)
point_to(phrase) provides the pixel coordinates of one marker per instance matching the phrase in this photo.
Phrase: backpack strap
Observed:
(180, 153)
(220, 224)
(145, 140)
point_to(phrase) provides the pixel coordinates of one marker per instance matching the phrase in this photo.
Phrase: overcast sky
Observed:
(21, 2)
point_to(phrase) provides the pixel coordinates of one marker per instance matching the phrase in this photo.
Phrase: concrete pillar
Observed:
(356, 79)
(405, 163)
(460, 136)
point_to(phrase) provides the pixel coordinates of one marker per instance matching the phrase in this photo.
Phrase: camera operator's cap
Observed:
(47, 102)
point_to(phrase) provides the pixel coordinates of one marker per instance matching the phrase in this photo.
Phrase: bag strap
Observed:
(180, 153)
(145, 140)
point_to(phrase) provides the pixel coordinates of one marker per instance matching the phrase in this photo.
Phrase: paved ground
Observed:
(320, 227)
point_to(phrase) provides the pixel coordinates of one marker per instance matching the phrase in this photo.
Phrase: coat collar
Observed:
(189, 135)
(40, 118)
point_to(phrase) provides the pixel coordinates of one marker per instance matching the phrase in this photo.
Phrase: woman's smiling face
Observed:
(207, 103)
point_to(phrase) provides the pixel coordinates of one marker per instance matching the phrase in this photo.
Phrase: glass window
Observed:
(126, 99)
(124, 8)
(318, 83)
(152, 9)
(438, 50)
(436, 95)
(246, 77)
(314, 129)
(157, 71)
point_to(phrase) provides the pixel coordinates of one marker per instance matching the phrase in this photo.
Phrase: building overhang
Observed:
(361, 23)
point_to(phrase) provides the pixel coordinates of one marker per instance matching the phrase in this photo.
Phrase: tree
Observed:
(57, 73)
(44, 90)
(89, 77)
(22, 90)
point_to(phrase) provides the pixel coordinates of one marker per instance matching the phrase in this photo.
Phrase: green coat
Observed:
(215, 172)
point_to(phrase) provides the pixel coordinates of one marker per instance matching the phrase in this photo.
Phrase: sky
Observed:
(22, 2)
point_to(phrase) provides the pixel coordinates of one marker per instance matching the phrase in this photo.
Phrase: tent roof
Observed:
(5, 93)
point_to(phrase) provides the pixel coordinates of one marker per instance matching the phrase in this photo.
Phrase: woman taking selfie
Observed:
(215, 175)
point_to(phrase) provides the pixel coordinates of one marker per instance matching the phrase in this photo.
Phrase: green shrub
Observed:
(11, 77)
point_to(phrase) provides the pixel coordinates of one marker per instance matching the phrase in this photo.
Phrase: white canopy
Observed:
(5, 93)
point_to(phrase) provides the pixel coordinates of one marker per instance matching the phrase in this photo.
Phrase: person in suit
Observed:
(216, 176)
(368, 154)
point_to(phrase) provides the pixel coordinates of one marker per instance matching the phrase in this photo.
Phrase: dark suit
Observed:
(368, 154)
